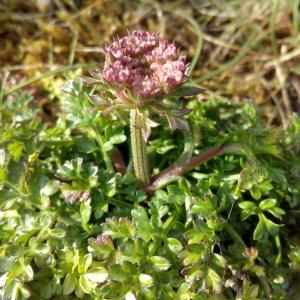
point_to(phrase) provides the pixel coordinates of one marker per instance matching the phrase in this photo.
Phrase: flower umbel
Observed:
(147, 67)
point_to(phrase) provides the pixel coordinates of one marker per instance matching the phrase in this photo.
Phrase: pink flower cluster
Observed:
(147, 66)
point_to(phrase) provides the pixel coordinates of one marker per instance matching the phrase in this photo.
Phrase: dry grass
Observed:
(240, 48)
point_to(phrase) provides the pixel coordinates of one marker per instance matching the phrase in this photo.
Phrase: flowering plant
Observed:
(140, 71)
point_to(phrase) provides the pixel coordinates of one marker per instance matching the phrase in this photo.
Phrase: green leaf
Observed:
(267, 204)
(97, 275)
(176, 194)
(218, 260)
(143, 225)
(15, 150)
(146, 280)
(246, 214)
(130, 296)
(69, 284)
(11, 291)
(50, 188)
(160, 263)
(255, 192)
(79, 292)
(214, 280)
(114, 135)
(260, 230)
(25, 291)
(276, 212)
(250, 292)
(85, 212)
(102, 247)
(119, 228)
(27, 273)
(200, 233)
(193, 254)
(86, 285)
(249, 205)
(3, 165)
(187, 90)
(272, 227)
(174, 245)
(57, 233)
(84, 262)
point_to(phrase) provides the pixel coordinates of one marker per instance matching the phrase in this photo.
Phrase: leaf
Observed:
(79, 292)
(246, 214)
(57, 233)
(97, 275)
(11, 291)
(85, 211)
(86, 285)
(272, 227)
(249, 205)
(193, 254)
(174, 245)
(160, 263)
(214, 280)
(176, 194)
(15, 150)
(260, 231)
(3, 165)
(50, 188)
(200, 233)
(187, 90)
(89, 80)
(146, 280)
(25, 291)
(69, 284)
(177, 123)
(102, 247)
(276, 212)
(255, 192)
(250, 292)
(71, 194)
(83, 262)
(118, 228)
(71, 169)
(142, 222)
(114, 135)
(267, 204)
(27, 273)
(130, 296)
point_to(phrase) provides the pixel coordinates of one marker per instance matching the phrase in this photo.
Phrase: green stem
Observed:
(234, 235)
(105, 156)
(139, 150)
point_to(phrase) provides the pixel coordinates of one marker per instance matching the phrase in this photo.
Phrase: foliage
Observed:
(73, 228)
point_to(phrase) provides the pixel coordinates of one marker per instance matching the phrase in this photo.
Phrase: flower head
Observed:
(148, 67)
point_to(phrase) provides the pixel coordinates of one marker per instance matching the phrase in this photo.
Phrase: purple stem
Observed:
(177, 170)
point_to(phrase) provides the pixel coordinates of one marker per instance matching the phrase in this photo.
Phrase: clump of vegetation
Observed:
(73, 227)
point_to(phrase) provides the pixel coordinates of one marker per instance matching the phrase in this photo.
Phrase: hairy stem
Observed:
(139, 150)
